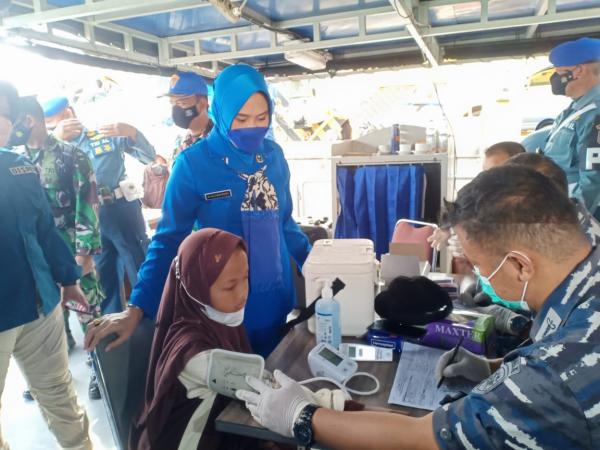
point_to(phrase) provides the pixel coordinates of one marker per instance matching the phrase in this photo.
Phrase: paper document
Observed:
(415, 384)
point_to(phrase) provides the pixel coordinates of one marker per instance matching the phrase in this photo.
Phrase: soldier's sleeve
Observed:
(57, 253)
(524, 405)
(588, 187)
(141, 149)
(87, 227)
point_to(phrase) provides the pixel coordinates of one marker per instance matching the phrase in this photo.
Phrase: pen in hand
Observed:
(451, 360)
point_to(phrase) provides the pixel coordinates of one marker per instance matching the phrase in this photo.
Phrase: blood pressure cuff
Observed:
(413, 301)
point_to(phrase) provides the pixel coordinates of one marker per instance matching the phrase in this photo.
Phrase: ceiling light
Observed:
(309, 59)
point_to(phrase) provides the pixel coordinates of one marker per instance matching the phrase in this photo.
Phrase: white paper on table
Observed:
(415, 384)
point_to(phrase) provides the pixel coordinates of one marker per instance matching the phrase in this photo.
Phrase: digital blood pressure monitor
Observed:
(326, 361)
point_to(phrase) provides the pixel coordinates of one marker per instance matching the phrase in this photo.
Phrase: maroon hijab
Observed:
(182, 328)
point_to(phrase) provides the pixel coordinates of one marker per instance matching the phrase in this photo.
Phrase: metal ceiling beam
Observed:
(517, 22)
(540, 11)
(148, 10)
(304, 46)
(428, 46)
(90, 48)
(292, 23)
(86, 10)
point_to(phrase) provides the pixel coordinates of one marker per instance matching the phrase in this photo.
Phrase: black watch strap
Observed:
(303, 426)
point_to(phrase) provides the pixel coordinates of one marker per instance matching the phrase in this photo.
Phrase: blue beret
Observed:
(187, 83)
(55, 106)
(571, 53)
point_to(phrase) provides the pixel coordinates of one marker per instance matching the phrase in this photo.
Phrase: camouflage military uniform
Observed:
(544, 395)
(68, 179)
(184, 142)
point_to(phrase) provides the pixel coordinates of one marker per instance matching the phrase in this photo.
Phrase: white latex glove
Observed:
(466, 364)
(454, 247)
(275, 409)
(439, 238)
(330, 398)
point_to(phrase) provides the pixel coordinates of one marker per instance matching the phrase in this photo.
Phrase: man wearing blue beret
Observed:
(122, 227)
(576, 130)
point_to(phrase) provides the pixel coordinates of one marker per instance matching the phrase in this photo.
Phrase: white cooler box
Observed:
(352, 261)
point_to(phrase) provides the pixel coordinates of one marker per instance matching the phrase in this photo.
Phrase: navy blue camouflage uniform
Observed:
(544, 395)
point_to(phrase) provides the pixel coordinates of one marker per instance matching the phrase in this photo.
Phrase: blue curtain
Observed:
(373, 198)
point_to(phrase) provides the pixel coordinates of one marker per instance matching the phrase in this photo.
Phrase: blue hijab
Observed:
(232, 88)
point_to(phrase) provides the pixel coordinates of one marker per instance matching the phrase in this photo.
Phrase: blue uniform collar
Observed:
(560, 303)
(587, 98)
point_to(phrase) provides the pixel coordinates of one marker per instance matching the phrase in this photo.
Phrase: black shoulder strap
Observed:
(309, 311)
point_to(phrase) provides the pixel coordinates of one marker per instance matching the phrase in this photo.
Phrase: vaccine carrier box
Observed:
(353, 261)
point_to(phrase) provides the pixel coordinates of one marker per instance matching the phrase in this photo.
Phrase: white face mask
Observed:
(232, 319)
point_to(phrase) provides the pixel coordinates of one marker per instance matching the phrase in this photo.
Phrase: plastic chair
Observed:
(122, 379)
(406, 233)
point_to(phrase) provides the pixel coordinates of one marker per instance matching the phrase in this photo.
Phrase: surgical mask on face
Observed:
(232, 319)
(559, 81)
(487, 288)
(248, 140)
(182, 117)
(19, 136)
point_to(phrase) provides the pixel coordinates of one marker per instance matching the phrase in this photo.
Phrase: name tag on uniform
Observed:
(216, 195)
(101, 146)
(22, 170)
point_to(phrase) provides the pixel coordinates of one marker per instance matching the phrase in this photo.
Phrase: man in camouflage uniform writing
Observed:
(68, 179)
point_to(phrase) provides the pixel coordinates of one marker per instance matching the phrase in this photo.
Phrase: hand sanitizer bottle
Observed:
(327, 311)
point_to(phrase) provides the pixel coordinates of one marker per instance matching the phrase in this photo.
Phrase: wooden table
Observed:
(290, 356)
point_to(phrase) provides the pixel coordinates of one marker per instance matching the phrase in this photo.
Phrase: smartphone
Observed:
(74, 306)
(360, 352)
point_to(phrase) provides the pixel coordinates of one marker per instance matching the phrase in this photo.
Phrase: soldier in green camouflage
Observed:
(68, 179)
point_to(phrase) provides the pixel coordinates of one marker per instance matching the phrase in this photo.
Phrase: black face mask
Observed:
(559, 81)
(19, 136)
(182, 117)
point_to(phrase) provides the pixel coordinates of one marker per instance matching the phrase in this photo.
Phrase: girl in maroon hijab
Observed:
(202, 308)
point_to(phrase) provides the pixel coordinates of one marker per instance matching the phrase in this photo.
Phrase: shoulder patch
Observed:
(22, 170)
(549, 326)
(505, 371)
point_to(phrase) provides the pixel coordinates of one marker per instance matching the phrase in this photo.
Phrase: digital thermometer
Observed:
(227, 371)
(359, 352)
(326, 361)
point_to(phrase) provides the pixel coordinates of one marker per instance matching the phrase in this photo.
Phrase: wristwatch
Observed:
(303, 426)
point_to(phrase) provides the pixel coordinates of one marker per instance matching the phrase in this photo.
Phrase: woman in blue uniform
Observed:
(238, 181)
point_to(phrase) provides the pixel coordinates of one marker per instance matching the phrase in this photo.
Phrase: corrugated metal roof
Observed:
(347, 33)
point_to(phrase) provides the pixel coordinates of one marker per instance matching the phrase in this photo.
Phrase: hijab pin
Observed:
(177, 272)
(259, 158)
(218, 258)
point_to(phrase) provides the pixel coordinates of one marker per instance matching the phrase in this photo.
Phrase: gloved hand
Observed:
(466, 364)
(439, 238)
(275, 409)
(454, 247)
(328, 398)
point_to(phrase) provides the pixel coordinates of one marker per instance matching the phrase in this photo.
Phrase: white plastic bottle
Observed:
(327, 310)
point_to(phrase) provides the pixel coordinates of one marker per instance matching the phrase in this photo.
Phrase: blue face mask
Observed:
(487, 288)
(248, 140)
